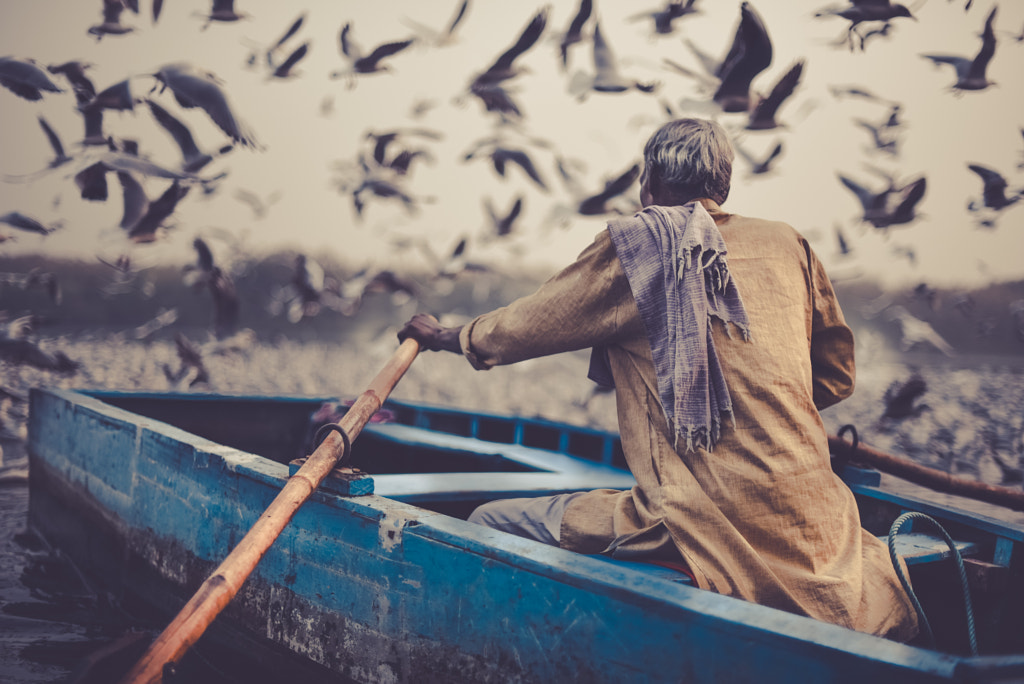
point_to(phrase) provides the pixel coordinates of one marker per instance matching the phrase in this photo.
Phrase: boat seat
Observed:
(917, 549)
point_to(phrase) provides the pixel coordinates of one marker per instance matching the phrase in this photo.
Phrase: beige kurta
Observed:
(762, 517)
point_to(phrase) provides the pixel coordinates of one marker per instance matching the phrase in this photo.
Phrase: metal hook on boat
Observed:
(346, 452)
(840, 461)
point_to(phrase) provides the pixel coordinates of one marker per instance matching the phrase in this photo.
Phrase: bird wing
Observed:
(749, 55)
(595, 204)
(176, 128)
(991, 177)
(51, 135)
(294, 58)
(909, 196)
(525, 41)
(988, 48)
(386, 50)
(135, 200)
(292, 30)
(961, 64)
(92, 182)
(768, 106)
(867, 198)
(348, 46)
(523, 160)
(191, 90)
(607, 76)
(459, 14)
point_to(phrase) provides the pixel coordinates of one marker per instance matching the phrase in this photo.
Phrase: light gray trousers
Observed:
(538, 518)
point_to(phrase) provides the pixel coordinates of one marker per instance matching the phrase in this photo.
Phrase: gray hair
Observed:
(687, 159)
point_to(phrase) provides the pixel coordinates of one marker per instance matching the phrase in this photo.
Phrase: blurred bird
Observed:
(111, 24)
(882, 136)
(368, 282)
(444, 37)
(163, 319)
(501, 156)
(193, 88)
(487, 85)
(664, 17)
(860, 11)
(191, 367)
(147, 227)
(895, 205)
(762, 115)
(192, 159)
(59, 158)
(25, 79)
(16, 347)
(763, 164)
(844, 245)
(971, 72)
(599, 203)
(400, 161)
(914, 331)
(224, 11)
(994, 192)
(365, 64)
(606, 77)
(501, 226)
(749, 55)
(285, 68)
(574, 33)
(901, 398)
(257, 204)
(74, 72)
(16, 219)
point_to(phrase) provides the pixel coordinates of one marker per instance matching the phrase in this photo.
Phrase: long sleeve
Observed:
(587, 303)
(832, 357)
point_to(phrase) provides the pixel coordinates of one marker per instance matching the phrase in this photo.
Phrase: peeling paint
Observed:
(391, 527)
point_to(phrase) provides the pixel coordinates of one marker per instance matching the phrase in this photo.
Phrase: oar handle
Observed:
(218, 590)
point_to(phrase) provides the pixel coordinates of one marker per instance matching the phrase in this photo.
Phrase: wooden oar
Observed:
(218, 590)
(938, 480)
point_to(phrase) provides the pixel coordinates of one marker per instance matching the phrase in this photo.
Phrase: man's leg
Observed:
(538, 518)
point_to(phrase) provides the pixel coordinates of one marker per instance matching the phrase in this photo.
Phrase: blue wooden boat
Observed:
(147, 493)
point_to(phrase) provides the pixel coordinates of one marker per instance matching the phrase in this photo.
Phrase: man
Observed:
(717, 396)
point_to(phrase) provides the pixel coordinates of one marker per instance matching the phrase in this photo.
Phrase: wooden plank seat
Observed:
(917, 548)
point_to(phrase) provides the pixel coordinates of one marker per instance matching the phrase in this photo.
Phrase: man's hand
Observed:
(431, 335)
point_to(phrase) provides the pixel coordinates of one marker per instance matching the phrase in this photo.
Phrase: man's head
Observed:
(684, 160)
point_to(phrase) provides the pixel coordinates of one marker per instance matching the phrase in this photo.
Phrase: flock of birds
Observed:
(387, 161)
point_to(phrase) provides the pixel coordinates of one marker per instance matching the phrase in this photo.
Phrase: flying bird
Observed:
(901, 398)
(994, 191)
(285, 68)
(223, 11)
(147, 228)
(502, 155)
(257, 204)
(598, 203)
(25, 79)
(74, 72)
(762, 164)
(193, 160)
(488, 84)
(502, 225)
(60, 157)
(606, 77)
(446, 36)
(971, 73)
(762, 115)
(914, 331)
(15, 219)
(860, 11)
(360, 63)
(193, 88)
(191, 366)
(111, 24)
(749, 55)
(894, 205)
(665, 17)
(574, 34)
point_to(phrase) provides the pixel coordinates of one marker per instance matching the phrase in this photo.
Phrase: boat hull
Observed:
(371, 589)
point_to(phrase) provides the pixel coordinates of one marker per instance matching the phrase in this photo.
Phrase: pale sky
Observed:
(944, 130)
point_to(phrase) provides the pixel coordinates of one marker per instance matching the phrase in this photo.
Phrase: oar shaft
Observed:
(218, 590)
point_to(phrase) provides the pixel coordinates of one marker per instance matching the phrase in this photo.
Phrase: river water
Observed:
(53, 626)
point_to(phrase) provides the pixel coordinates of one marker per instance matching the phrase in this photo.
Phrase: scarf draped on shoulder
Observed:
(674, 260)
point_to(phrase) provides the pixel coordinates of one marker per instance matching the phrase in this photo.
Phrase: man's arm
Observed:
(832, 360)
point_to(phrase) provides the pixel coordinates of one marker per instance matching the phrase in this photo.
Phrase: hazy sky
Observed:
(304, 138)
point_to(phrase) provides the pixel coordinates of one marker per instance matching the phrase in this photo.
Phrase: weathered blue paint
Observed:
(380, 590)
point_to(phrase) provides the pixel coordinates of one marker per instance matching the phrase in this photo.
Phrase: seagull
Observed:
(914, 331)
(970, 73)
(749, 55)
(60, 157)
(860, 11)
(284, 69)
(762, 115)
(502, 155)
(664, 17)
(112, 25)
(892, 206)
(444, 37)
(257, 204)
(223, 10)
(882, 136)
(574, 34)
(366, 282)
(74, 72)
(163, 319)
(901, 398)
(994, 193)
(598, 203)
(16, 219)
(759, 165)
(401, 160)
(844, 246)
(192, 159)
(191, 367)
(25, 79)
(147, 227)
(366, 64)
(193, 88)
(487, 85)
(501, 226)
(606, 77)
